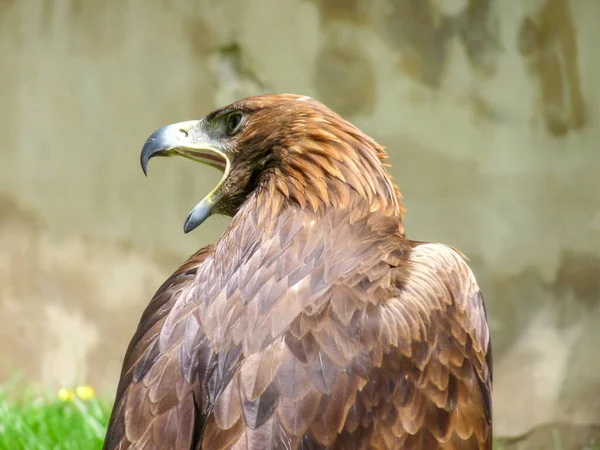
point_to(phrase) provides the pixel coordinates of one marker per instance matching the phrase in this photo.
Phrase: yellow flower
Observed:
(65, 395)
(85, 392)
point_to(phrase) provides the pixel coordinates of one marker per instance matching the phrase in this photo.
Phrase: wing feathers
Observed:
(298, 414)
(328, 333)
(257, 412)
(228, 407)
(293, 378)
(258, 370)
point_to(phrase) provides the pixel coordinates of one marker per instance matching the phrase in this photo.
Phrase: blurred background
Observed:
(488, 108)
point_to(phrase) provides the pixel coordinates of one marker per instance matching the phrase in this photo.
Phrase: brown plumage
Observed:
(312, 323)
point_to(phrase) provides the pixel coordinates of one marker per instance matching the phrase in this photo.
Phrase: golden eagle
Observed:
(313, 322)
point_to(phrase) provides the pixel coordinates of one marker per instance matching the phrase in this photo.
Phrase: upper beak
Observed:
(184, 139)
(178, 139)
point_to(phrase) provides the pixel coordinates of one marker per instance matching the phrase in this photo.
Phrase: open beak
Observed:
(185, 139)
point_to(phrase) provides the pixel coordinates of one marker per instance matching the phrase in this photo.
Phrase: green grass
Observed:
(47, 423)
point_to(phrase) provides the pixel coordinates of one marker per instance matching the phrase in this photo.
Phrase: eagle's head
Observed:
(292, 143)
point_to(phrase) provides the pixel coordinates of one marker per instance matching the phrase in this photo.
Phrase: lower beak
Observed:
(185, 140)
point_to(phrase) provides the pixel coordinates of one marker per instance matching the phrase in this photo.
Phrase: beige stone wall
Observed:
(489, 110)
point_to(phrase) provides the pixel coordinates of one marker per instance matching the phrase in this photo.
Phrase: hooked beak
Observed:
(185, 140)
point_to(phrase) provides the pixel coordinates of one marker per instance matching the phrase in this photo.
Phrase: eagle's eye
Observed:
(234, 120)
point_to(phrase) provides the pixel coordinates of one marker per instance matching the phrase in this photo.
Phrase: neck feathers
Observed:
(325, 162)
(335, 165)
